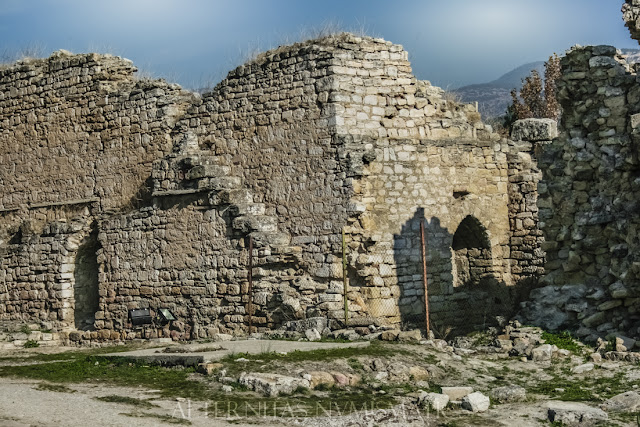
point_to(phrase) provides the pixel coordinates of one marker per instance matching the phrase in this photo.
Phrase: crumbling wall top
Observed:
(631, 16)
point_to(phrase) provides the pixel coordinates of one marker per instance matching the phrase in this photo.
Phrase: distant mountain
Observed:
(494, 97)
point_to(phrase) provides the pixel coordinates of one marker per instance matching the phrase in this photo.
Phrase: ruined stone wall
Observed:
(37, 264)
(78, 136)
(258, 150)
(631, 16)
(291, 149)
(442, 182)
(77, 127)
(589, 200)
(529, 136)
(413, 154)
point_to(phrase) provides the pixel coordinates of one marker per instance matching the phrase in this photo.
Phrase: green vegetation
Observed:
(124, 372)
(54, 387)
(355, 364)
(564, 340)
(31, 344)
(127, 401)
(563, 387)
(165, 418)
(262, 362)
(85, 367)
(301, 403)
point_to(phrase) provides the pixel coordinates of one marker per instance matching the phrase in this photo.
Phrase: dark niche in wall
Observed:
(85, 288)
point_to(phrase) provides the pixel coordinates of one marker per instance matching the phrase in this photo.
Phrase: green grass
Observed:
(584, 389)
(564, 340)
(355, 364)
(165, 418)
(69, 355)
(262, 362)
(59, 388)
(114, 398)
(171, 383)
(118, 371)
(31, 344)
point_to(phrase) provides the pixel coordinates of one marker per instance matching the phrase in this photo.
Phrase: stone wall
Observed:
(81, 127)
(589, 200)
(292, 148)
(78, 137)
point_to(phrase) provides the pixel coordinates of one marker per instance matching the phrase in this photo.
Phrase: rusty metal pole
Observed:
(424, 278)
(344, 279)
(250, 305)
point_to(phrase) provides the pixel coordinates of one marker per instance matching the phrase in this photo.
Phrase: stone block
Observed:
(457, 393)
(534, 130)
(476, 402)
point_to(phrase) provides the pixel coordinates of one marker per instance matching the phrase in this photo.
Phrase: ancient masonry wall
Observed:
(256, 156)
(290, 149)
(78, 136)
(589, 200)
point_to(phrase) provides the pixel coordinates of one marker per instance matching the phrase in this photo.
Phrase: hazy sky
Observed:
(196, 42)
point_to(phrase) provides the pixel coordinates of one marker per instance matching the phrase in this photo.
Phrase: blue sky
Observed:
(196, 42)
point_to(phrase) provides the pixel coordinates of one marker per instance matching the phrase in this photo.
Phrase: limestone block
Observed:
(457, 393)
(574, 413)
(435, 401)
(534, 130)
(509, 394)
(273, 384)
(476, 402)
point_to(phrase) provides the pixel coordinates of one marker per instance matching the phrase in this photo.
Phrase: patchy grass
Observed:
(564, 340)
(59, 388)
(69, 355)
(355, 364)
(94, 369)
(31, 344)
(124, 372)
(114, 398)
(303, 403)
(262, 362)
(166, 418)
(480, 338)
(565, 387)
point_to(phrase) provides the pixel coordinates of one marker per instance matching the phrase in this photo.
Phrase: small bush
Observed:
(31, 344)
(563, 340)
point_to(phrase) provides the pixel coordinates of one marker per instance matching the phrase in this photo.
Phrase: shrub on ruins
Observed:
(537, 97)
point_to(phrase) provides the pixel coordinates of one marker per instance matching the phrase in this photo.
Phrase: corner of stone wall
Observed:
(526, 242)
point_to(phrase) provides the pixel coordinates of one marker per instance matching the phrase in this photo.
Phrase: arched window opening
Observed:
(471, 253)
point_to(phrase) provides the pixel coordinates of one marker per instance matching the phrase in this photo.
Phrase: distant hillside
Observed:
(494, 97)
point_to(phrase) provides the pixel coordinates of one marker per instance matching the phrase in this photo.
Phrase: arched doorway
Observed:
(472, 262)
(85, 287)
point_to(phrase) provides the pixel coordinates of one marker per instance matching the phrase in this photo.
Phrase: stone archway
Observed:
(471, 253)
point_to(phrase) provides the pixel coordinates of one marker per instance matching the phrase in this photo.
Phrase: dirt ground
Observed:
(392, 376)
